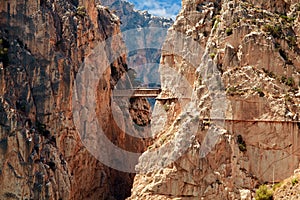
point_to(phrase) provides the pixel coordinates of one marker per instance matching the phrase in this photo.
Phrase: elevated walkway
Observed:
(138, 92)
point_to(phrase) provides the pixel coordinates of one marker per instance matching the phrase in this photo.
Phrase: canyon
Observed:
(232, 122)
(225, 122)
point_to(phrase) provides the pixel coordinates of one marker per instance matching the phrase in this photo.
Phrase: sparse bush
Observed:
(200, 80)
(162, 139)
(241, 143)
(81, 11)
(277, 46)
(229, 31)
(298, 7)
(216, 21)
(269, 73)
(234, 91)
(259, 91)
(288, 19)
(292, 41)
(283, 79)
(277, 185)
(4, 45)
(288, 98)
(166, 107)
(294, 181)
(288, 81)
(231, 91)
(275, 31)
(212, 55)
(150, 147)
(263, 193)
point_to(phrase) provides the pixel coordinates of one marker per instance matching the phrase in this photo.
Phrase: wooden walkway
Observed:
(138, 92)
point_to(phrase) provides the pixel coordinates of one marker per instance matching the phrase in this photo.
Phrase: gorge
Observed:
(225, 123)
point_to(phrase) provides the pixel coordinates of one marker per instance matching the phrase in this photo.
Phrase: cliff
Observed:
(227, 120)
(44, 46)
(144, 60)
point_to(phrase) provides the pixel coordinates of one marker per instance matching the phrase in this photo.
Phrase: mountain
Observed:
(162, 8)
(143, 59)
(49, 91)
(227, 120)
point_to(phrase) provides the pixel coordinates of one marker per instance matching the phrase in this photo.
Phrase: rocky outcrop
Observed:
(227, 119)
(287, 189)
(44, 44)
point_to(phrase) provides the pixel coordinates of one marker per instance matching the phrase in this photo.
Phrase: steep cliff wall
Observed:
(228, 117)
(43, 44)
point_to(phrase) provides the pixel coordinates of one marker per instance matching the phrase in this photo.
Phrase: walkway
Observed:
(138, 92)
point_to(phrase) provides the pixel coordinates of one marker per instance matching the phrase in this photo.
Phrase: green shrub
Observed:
(241, 143)
(162, 139)
(216, 20)
(4, 45)
(150, 147)
(294, 181)
(277, 185)
(290, 81)
(81, 11)
(298, 7)
(231, 90)
(212, 55)
(259, 91)
(200, 80)
(263, 193)
(234, 91)
(287, 97)
(292, 41)
(269, 73)
(242, 147)
(166, 107)
(288, 19)
(229, 31)
(275, 31)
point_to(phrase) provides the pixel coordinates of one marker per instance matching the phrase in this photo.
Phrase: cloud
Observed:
(163, 8)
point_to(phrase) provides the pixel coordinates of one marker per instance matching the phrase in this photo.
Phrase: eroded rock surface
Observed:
(228, 117)
(44, 44)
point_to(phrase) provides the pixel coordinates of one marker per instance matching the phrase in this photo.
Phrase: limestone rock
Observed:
(233, 67)
(45, 44)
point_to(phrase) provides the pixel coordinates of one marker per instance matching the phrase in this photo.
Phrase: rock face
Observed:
(288, 188)
(142, 58)
(228, 117)
(43, 45)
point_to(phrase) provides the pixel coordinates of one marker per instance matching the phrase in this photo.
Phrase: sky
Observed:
(163, 8)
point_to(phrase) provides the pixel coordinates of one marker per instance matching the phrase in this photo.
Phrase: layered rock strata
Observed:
(44, 44)
(228, 117)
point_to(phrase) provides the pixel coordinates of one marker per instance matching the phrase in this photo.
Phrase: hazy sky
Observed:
(164, 8)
